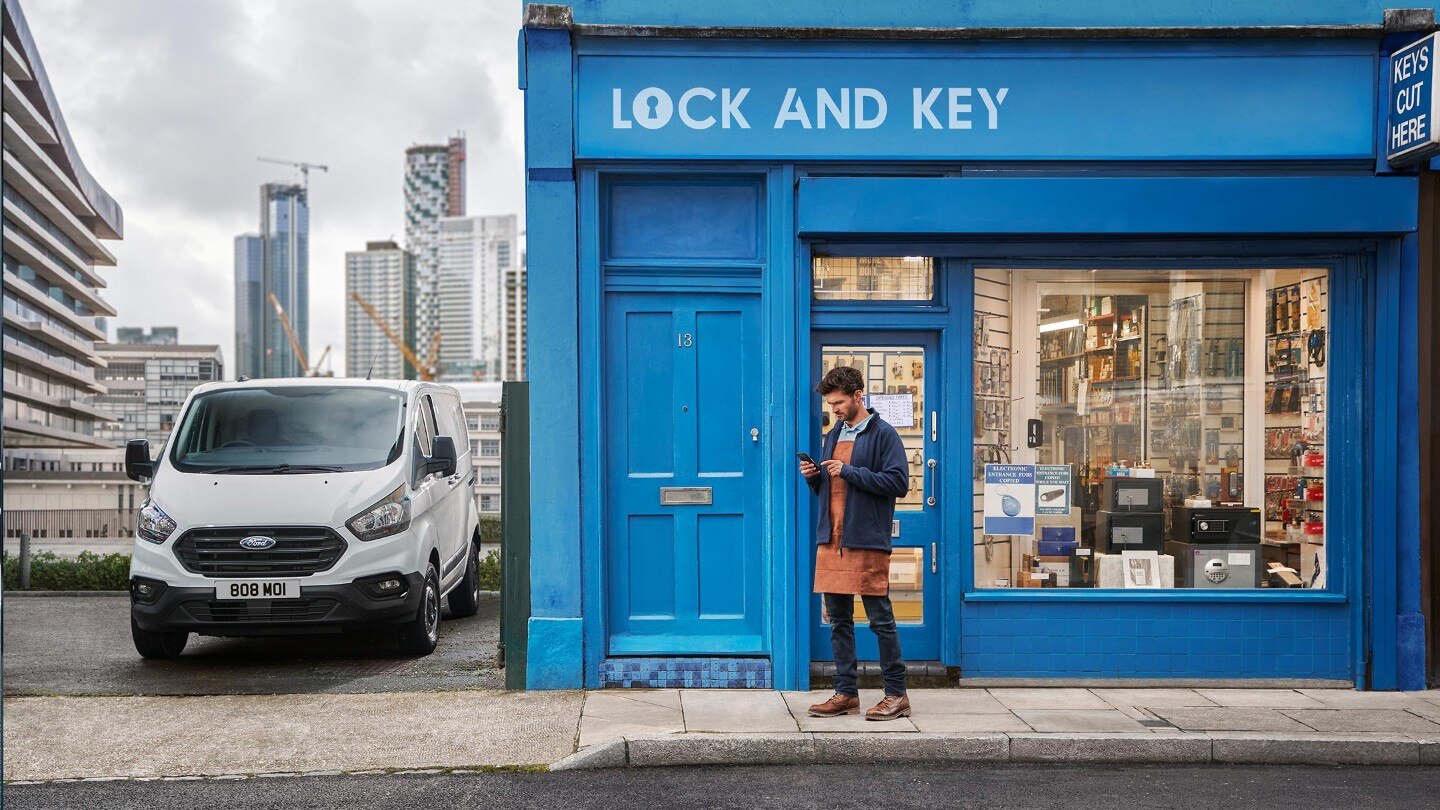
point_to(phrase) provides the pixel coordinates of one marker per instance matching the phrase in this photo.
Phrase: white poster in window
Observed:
(1010, 499)
(897, 409)
(1141, 568)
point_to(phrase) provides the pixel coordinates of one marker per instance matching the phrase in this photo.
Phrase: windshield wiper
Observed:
(281, 469)
(274, 469)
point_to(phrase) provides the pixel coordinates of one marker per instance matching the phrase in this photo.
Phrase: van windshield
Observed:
(290, 429)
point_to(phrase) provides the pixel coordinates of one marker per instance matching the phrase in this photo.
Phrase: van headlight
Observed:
(389, 516)
(153, 524)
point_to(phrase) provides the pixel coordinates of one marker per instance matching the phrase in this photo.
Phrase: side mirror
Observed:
(442, 457)
(138, 466)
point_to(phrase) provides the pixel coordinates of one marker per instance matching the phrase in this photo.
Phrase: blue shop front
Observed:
(1141, 305)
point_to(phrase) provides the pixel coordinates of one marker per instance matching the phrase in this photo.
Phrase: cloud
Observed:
(170, 103)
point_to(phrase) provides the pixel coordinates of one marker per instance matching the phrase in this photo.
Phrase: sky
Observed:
(170, 102)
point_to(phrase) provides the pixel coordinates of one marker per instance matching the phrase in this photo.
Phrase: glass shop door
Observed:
(902, 380)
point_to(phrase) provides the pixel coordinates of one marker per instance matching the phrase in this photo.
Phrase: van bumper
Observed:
(320, 609)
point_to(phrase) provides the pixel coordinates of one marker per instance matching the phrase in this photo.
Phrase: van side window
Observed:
(425, 426)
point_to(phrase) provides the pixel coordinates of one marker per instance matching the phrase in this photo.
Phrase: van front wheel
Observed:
(465, 599)
(420, 635)
(157, 645)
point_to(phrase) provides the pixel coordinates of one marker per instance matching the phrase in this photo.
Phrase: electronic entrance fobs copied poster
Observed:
(1010, 499)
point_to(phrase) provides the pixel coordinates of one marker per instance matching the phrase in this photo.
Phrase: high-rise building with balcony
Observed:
(55, 215)
(475, 255)
(384, 275)
(512, 322)
(434, 188)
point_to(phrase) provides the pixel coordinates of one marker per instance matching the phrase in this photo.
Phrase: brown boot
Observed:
(836, 706)
(891, 708)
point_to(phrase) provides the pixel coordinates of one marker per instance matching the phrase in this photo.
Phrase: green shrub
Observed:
(490, 571)
(489, 529)
(88, 572)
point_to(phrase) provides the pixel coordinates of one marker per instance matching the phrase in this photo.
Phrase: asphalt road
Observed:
(890, 787)
(59, 645)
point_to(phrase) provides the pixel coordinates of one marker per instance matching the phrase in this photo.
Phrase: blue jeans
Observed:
(840, 607)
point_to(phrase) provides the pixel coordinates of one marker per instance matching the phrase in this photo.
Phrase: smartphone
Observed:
(804, 457)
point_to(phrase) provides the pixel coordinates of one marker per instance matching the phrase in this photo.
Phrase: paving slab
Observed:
(800, 702)
(1154, 748)
(736, 710)
(967, 723)
(1230, 719)
(1057, 699)
(954, 701)
(1314, 749)
(615, 713)
(1154, 698)
(1082, 720)
(1267, 698)
(73, 737)
(1351, 699)
(889, 747)
(1394, 721)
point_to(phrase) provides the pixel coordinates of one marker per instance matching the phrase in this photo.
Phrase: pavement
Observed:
(894, 787)
(58, 738)
(80, 704)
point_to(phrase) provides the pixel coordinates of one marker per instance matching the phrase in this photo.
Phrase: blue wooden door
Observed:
(906, 368)
(683, 491)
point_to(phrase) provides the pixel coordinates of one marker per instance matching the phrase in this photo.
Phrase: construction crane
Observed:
(305, 370)
(427, 370)
(319, 364)
(303, 166)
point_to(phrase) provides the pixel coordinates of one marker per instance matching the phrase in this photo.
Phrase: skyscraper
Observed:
(285, 227)
(475, 253)
(249, 300)
(275, 260)
(55, 216)
(384, 275)
(434, 188)
(512, 327)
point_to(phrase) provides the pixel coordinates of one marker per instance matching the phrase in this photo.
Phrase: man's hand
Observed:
(833, 466)
(809, 470)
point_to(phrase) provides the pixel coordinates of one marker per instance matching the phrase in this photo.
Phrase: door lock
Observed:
(754, 434)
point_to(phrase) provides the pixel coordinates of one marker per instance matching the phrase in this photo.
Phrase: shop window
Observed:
(1150, 428)
(874, 278)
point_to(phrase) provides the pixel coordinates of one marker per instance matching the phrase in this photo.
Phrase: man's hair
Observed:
(841, 378)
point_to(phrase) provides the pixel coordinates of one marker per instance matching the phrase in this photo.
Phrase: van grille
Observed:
(298, 551)
(281, 610)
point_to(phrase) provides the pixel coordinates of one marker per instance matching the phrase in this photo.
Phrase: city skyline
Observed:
(189, 188)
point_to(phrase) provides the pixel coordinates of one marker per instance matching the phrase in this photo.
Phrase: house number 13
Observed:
(684, 340)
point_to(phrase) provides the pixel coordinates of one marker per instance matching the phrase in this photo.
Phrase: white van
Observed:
(287, 506)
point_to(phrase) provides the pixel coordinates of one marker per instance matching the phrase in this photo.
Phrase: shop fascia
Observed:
(843, 108)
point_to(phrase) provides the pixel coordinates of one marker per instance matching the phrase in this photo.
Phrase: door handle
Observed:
(930, 482)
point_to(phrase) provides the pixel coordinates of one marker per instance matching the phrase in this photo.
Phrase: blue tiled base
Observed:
(687, 673)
